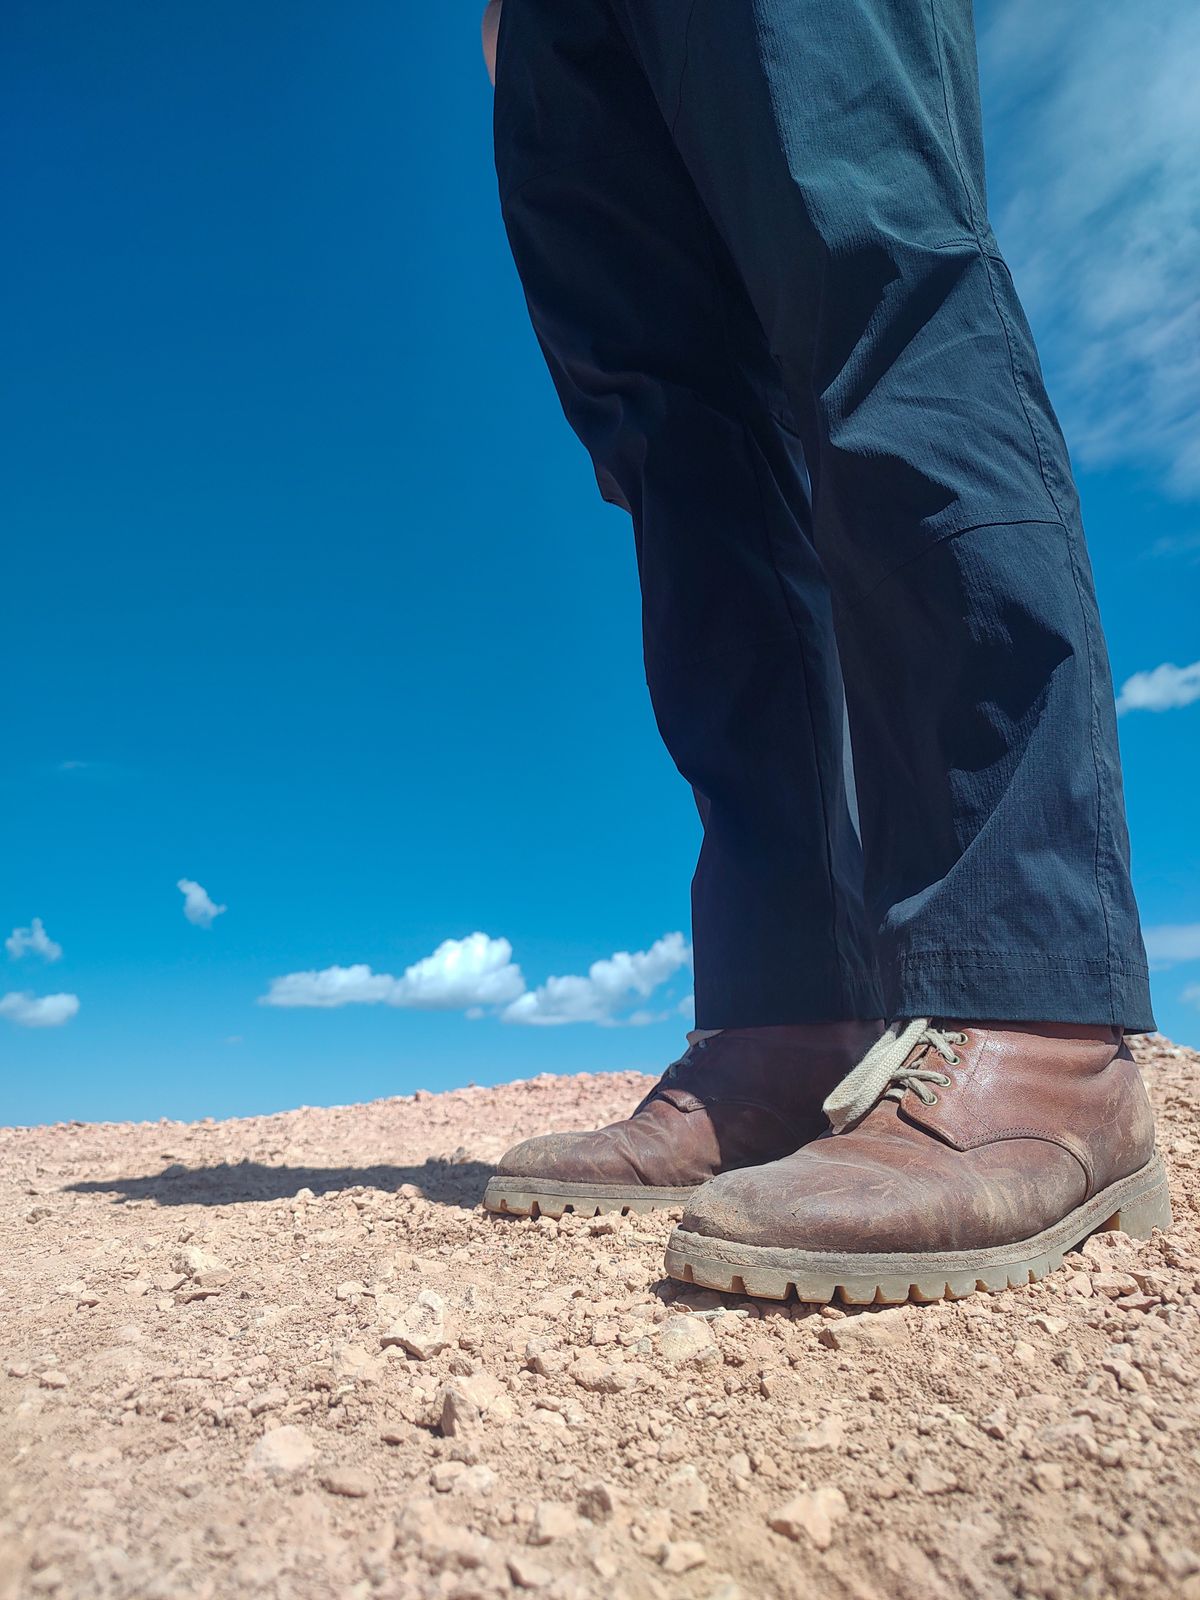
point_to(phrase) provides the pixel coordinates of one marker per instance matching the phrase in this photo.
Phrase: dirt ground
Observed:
(289, 1356)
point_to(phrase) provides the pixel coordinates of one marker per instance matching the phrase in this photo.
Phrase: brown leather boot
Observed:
(961, 1157)
(734, 1098)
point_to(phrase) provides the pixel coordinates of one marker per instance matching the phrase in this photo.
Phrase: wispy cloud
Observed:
(1094, 127)
(460, 974)
(1164, 688)
(33, 940)
(39, 1011)
(610, 986)
(198, 906)
(1191, 995)
(1171, 942)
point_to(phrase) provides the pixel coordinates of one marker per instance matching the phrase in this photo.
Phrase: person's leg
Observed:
(836, 145)
(663, 373)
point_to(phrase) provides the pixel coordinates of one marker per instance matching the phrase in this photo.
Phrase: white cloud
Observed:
(1191, 995)
(1164, 689)
(1171, 942)
(609, 986)
(1093, 123)
(39, 1011)
(21, 941)
(198, 907)
(460, 974)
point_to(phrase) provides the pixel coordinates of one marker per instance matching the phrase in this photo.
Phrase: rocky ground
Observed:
(289, 1356)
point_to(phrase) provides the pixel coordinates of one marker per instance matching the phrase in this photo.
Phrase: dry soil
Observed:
(289, 1356)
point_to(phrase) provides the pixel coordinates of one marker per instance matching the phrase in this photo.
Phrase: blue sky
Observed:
(309, 601)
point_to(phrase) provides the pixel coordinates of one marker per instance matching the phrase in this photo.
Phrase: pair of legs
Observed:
(754, 242)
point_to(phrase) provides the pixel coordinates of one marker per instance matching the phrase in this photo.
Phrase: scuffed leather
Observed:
(748, 1095)
(1032, 1124)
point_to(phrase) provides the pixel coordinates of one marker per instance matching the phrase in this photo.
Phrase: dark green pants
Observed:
(754, 240)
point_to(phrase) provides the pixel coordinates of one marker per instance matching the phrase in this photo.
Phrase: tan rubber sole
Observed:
(521, 1197)
(1135, 1205)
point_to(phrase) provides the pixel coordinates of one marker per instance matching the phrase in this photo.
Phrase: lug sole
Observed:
(1134, 1205)
(523, 1197)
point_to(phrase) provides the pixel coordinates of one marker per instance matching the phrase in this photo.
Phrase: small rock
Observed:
(527, 1573)
(870, 1330)
(551, 1520)
(282, 1451)
(1128, 1377)
(352, 1482)
(687, 1492)
(53, 1379)
(597, 1501)
(479, 1479)
(1112, 1284)
(688, 1339)
(681, 1555)
(928, 1479)
(269, 1400)
(599, 1378)
(204, 1270)
(350, 1290)
(460, 1415)
(1048, 1476)
(422, 1328)
(829, 1434)
(995, 1424)
(445, 1475)
(811, 1514)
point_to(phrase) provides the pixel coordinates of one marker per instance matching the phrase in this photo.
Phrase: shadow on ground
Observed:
(448, 1183)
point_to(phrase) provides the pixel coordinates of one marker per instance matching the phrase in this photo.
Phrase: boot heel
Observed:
(1137, 1217)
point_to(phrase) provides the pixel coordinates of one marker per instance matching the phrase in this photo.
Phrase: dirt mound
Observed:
(288, 1356)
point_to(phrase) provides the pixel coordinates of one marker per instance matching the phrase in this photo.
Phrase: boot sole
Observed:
(1135, 1205)
(523, 1197)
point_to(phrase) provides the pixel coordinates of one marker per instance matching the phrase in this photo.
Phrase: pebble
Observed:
(829, 1434)
(681, 1555)
(928, 1479)
(811, 1515)
(528, 1573)
(552, 1520)
(598, 1501)
(282, 1451)
(870, 1330)
(688, 1339)
(459, 1414)
(205, 1271)
(687, 1492)
(351, 1482)
(421, 1330)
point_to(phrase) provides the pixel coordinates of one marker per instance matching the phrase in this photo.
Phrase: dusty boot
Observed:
(962, 1157)
(735, 1098)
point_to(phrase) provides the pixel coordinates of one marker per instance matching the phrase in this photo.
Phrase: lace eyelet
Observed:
(954, 1061)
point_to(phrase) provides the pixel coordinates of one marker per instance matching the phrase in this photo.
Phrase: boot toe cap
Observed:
(547, 1156)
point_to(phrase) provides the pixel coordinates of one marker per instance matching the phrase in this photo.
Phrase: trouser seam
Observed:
(848, 608)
